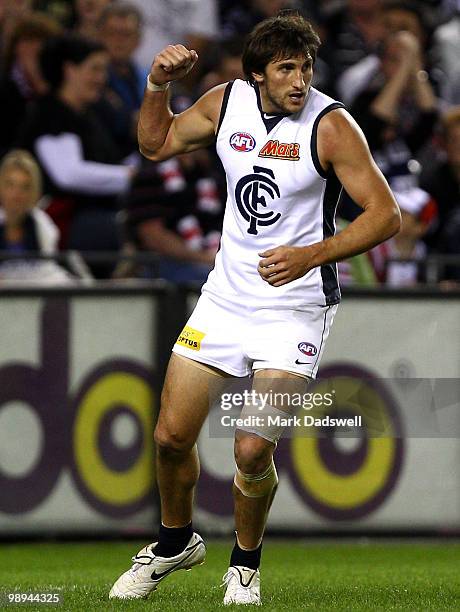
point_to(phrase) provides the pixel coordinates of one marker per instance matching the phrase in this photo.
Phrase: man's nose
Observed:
(299, 80)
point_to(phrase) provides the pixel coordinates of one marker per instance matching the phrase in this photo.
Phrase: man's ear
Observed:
(258, 77)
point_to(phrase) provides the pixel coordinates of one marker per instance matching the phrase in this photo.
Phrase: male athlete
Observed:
(268, 305)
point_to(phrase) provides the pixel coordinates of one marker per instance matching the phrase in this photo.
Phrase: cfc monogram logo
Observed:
(250, 193)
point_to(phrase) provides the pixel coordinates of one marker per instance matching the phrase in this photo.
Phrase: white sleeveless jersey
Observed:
(278, 194)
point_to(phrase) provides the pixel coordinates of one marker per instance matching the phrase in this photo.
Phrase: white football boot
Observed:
(148, 569)
(243, 586)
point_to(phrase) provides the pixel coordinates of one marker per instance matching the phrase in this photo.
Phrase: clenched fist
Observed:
(172, 63)
(284, 264)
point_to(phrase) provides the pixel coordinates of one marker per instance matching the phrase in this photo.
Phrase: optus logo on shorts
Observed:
(190, 338)
(242, 142)
(307, 349)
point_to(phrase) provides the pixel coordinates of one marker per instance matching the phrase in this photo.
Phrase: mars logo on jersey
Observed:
(281, 150)
(307, 349)
(250, 195)
(242, 142)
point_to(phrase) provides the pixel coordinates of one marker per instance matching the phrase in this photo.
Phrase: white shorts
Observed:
(238, 340)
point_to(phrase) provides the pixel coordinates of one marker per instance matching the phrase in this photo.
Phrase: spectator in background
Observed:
(397, 16)
(353, 31)
(242, 17)
(310, 9)
(228, 65)
(443, 183)
(418, 211)
(24, 228)
(60, 10)
(120, 32)
(398, 112)
(447, 43)
(82, 168)
(10, 12)
(87, 16)
(193, 23)
(356, 271)
(175, 210)
(23, 80)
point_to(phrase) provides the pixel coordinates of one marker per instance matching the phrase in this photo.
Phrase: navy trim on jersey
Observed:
(223, 108)
(331, 199)
(272, 121)
(314, 137)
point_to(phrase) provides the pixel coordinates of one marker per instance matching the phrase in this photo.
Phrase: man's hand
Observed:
(284, 264)
(172, 64)
(408, 47)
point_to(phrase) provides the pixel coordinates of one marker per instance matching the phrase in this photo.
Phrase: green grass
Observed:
(295, 576)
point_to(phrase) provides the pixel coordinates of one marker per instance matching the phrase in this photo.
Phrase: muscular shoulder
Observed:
(210, 103)
(338, 134)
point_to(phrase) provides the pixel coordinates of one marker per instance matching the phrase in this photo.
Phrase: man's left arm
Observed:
(343, 149)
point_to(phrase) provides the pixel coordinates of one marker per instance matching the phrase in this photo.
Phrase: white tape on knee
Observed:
(265, 421)
(257, 485)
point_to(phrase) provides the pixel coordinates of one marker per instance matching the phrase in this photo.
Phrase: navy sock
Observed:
(173, 540)
(247, 558)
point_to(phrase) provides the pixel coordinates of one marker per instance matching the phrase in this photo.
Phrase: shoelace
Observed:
(226, 577)
(137, 563)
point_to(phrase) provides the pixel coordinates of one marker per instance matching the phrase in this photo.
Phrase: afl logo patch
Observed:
(242, 142)
(307, 349)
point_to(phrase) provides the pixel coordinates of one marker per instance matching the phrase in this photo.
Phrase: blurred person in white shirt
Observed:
(193, 23)
(24, 228)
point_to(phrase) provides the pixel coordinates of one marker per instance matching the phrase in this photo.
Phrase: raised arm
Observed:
(342, 148)
(162, 134)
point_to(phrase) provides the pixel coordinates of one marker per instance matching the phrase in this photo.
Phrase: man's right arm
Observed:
(162, 134)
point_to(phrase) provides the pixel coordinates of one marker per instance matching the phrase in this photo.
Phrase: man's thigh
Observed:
(185, 398)
(267, 412)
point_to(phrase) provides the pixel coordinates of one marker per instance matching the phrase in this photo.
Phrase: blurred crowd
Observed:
(71, 178)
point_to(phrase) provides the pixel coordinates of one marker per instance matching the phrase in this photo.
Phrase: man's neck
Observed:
(68, 97)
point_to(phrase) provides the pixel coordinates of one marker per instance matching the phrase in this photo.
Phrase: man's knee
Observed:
(170, 441)
(257, 485)
(170, 438)
(253, 454)
(255, 470)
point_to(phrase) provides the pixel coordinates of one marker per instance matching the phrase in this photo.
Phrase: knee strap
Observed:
(269, 424)
(257, 485)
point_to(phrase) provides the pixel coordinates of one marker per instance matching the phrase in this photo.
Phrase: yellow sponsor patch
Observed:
(190, 338)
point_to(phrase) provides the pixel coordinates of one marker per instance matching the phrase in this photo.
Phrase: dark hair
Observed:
(62, 49)
(421, 13)
(286, 35)
(120, 9)
(229, 48)
(32, 26)
(410, 6)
